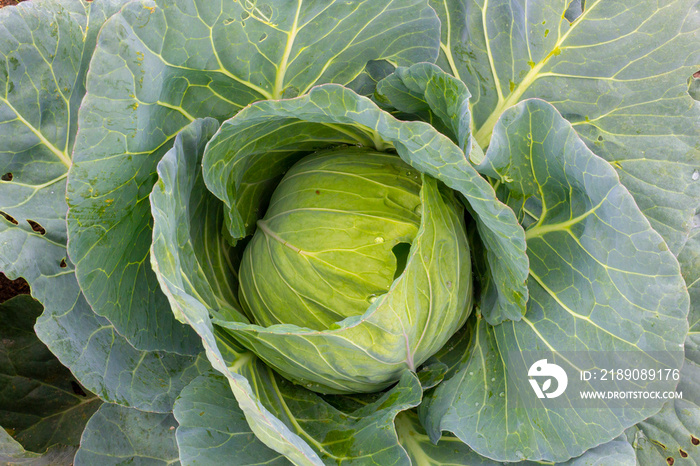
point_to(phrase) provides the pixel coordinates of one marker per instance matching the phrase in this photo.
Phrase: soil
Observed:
(11, 288)
(9, 2)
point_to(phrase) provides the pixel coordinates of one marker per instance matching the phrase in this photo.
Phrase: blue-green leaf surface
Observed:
(433, 95)
(443, 101)
(452, 451)
(675, 431)
(600, 280)
(365, 435)
(161, 64)
(45, 48)
(619, 73)
(213, 429)
(116, 435)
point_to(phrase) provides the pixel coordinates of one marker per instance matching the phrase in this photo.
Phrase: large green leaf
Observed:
(179, 213)
(157, 66)
(213, 429)
(365, 435)
(41, 403)
(442, 100)
(601, 280)
(116, 435)
(451, 450)
(673, 435)
(666, 437)
(675, 431)
(428, 93)
(619, 73)
(45, 48)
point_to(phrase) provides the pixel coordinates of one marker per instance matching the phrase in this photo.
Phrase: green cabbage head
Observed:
(358, 248)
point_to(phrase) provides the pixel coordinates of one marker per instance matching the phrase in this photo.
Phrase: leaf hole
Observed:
(401, 251)
(7, 177)
(36, 227)
(670, 461)
(600, 138)
(694, 440)
(683, 453)
(262, 37)
(63, 264)
(245, 15)
(9, 218)
(266, 11)
(77, 389)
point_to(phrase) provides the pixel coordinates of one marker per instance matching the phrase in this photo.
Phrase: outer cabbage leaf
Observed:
(618, 73)
(41, 403)
(443, 101)
(178, 216)
(601, 279)
(116, 435)
(426, 92)
(45, 48)
(213, 429)
(359, 436)
(451, 450)
(673, 435)
(157, 67)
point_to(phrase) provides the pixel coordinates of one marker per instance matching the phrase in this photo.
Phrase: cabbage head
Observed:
(348, 236)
